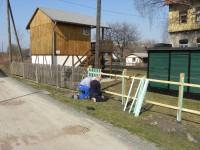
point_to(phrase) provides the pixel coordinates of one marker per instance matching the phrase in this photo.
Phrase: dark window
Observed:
(183, 17)
(86, 31)
(198, 14)
(198, 42)
(183, 43)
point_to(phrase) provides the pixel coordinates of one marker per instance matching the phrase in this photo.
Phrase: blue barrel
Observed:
(84, 92)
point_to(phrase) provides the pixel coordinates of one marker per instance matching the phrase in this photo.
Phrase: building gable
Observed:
(39, 18)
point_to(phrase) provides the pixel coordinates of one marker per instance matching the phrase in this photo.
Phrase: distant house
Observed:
(184, 23)
(136, 58)
(62, 38)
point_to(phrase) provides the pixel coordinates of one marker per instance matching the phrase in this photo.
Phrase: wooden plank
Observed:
(129, 94)
(180, 97)
(173, 107)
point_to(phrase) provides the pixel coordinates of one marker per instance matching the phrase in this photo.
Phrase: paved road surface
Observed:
(32, 120)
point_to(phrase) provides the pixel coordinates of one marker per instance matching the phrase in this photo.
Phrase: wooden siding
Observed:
(174, 23)
(40, 19)
(70, 40)
(41, 28)
(41, 40)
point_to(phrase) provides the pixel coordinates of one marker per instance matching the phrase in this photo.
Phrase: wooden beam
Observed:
(84, 55)
(180, 97)
(79, 60)
(65, 61)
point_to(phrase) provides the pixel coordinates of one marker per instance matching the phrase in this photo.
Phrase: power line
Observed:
(105, 10)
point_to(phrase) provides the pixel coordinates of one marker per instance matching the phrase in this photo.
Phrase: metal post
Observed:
(98, 26)
(180, 97)
(9, 33)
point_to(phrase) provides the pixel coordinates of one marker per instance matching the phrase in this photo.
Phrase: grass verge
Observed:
(157, 124)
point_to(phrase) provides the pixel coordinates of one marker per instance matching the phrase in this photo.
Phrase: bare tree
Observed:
(122, 34)
(151, 7)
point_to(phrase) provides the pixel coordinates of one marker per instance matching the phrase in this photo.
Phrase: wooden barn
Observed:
(58, 37)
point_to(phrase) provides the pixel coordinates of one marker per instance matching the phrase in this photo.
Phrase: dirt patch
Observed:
(6, 143)
(76, 130)
(12, 103)
(167, 125)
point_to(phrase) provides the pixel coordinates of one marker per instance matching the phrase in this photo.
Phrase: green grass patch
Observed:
(157, 124)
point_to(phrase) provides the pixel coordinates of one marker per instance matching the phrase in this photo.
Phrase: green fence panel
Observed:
(195, 71)
(179, 64)
(159, 68)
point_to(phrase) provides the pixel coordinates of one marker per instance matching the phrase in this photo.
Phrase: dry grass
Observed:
(155, 124)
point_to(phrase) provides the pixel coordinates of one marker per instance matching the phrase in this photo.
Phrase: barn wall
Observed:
(70, 40)
(41, 29)
(58, 60)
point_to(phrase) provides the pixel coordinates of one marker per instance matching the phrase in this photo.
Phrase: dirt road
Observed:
(32, 120)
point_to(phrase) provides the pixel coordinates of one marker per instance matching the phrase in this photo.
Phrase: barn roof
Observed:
(67, 17)
(141, 55)
(173, 49)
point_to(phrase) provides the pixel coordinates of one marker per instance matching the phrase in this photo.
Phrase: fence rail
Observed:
(181, 84)
(56, 75)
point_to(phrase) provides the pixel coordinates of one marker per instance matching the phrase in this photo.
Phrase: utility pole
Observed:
(16, 34)
(98, 30)
(9, 32)
(2, 47)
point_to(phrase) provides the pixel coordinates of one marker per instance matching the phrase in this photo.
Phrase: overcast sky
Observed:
(113, 11)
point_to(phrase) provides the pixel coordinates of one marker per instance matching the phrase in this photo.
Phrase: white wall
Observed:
(131, 62)
(61, 60)
(42, 59)
(58, 60)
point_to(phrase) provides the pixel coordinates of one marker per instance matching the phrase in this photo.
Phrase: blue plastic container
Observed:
(84, 92)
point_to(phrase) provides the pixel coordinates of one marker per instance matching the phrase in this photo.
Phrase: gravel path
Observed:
(32, 120)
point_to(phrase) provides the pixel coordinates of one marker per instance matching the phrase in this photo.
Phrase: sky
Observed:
(112, 11)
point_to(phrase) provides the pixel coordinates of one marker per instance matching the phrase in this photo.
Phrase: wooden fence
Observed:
(140, 96)
(56, 75)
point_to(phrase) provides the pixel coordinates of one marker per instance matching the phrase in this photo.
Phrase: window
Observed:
(86, 31)
(198, 42)
(198, 14)
(183, 43)
(183, 17)
(133, 59)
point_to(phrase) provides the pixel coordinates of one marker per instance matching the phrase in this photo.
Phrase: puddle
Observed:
(76, 130)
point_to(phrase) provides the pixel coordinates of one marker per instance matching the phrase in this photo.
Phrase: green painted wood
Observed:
(195, 71)
(179, 64)
(159, 68)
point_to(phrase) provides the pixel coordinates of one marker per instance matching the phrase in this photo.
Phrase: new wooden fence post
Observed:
(58, 75)
(180, 97)
(23, 70)
(123, 85)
